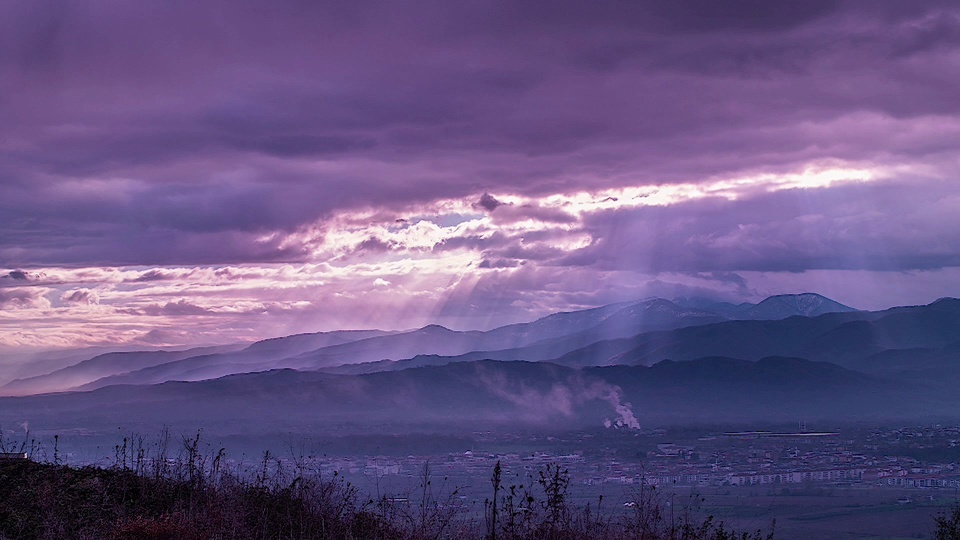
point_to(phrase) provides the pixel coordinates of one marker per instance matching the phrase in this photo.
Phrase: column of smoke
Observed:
(612, 395)
(562, 398)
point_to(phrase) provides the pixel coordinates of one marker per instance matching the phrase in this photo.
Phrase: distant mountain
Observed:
(157, 365)
(612, 322)
(897, 364)
(24, 365)
(772, 308)
(934, 366)
(433, 339)
(543, 339)
(790, 305)
(846, 338)
(548, 338)
(101, 366)
(281, 347)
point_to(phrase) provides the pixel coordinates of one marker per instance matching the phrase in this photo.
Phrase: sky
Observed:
(182, 172)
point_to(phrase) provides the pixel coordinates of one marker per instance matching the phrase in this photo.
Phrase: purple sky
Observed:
(183, 172)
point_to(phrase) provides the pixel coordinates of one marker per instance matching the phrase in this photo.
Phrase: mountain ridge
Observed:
(547, 338)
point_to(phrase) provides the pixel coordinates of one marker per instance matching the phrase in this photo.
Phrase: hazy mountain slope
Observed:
(196, 368)
(749, 340)
(554, 325)
(932, 365)
(790, 305)
(366, 349)
(844, 338)
(280, 347)
(575, 329)
(542, 339)
(432, 339)
(470, 394)
(615, 320)
(101, 366)
(25, 365)
(255, 357)
(626, 320)
(718, 388)
(373, 348)
(772, 308)
(548, 338)
(287, 398)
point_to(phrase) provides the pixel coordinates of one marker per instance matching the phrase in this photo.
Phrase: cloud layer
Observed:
(291, 166)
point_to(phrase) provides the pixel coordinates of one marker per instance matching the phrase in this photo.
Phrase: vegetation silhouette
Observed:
(948, 524)
(157, 492)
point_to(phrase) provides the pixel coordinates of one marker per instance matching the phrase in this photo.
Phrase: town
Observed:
(924, 458)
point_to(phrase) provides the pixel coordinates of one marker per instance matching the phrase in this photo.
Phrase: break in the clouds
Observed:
(258, 168)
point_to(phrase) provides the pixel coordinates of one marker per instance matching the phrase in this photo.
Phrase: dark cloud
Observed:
(488, 202)
(154, 275)
(374, 245)
(499, 263)
(191, 134)
(19, 275)
(474, 242)
(731, 278)
(80, 296)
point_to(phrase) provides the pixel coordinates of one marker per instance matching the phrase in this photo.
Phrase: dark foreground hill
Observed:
(195, 497)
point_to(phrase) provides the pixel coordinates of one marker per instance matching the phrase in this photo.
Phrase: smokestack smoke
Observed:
(614, 396)
(563, 398)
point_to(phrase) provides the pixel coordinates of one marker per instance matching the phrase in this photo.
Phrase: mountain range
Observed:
(544, 339)
(653, 360)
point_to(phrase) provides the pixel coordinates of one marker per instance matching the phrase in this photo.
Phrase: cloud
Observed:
(507, 214)
(80, 296)
(499, 263)
(258, 142)
(487, 202)
(23, 298)
(180, 308)
(492, 160)
(19, 275)
(881, 227)
(154, 275)
(162, 337)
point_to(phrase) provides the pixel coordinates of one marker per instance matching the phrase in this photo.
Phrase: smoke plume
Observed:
(563, 398)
